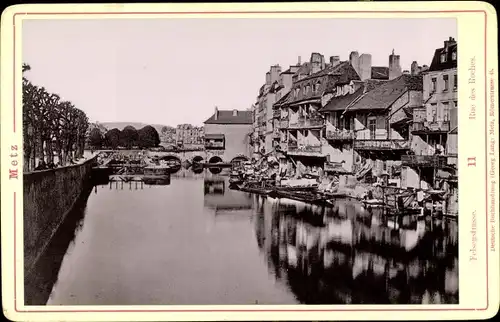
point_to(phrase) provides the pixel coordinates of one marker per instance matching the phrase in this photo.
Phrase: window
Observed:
(433, 112)
(443, 58)
(433, 87)
(455, 82)
(372, 126)
(446, 107)
(446, 83)
(454, 55)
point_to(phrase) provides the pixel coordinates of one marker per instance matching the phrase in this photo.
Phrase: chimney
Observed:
(414, 68)
(275, 73)
(268, 78)
(449, 42)
(216, 115)
(317, 62)
(299, 61)
(354, 60)
(365, 66)
(334, 60)
(394, 66)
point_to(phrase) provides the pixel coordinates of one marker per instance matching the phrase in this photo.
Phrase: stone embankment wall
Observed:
(47, 198)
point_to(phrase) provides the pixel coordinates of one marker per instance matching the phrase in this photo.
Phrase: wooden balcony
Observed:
(283, 124)
(315, 122)
(424, 160)
(381, 145)
(335, 167)
(430, 127)
(340, 135)
(307, 150)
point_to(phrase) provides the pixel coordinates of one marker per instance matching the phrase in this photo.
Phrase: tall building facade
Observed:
(227, 136)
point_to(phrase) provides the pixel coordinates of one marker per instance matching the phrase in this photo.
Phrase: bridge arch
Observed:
(239, 158)
(170, 157)
(197, 159)
(215, 159)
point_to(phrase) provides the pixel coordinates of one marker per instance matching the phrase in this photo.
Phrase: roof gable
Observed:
(227, 117)
(449, 63)
(382, 97)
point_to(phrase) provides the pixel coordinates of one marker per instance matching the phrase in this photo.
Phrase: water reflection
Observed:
(221, 199)
(39, 282)
(195, 241)
(356, 256)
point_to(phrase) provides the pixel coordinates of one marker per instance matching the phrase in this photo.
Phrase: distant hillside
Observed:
(122, 125)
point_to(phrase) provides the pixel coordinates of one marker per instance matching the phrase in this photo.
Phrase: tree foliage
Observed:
(112, 138)
(129, 137)
(148, 137)
(50, 126)
(96, 138)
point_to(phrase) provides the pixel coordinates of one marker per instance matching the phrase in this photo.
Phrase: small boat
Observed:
(154, 172)
(375, 203)
(235, 178)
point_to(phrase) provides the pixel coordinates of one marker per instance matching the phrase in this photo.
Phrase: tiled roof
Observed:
(380, 72)
(341, 102)
(227, 117)
(448, 64)
(328, 78)
(384, 95)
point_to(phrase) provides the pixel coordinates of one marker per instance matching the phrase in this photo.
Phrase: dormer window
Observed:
(443, 58)
(454, 55)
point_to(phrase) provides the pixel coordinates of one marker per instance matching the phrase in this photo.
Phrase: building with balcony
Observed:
(435, 124)
(378, 117)
(227, 135)
(339, 129)
(279, 122)
(301, 122)
(263, 112)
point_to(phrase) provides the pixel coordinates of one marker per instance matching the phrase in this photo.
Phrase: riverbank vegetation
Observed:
(129, 137)
(54, 130)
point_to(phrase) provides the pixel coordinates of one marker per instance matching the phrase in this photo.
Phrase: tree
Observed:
(129, 137)
(49, 123)
(112, 138)
(148, 137)
(95, 138)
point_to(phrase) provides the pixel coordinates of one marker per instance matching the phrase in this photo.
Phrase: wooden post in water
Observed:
(136, 185)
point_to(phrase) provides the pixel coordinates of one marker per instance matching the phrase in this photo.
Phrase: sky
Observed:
(173, 71)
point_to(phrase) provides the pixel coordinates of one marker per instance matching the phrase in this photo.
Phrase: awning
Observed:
(214, 136)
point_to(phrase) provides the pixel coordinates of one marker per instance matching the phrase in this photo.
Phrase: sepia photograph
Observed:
(240, 161)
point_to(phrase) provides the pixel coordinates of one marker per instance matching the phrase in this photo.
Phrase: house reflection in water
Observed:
(353, 255)
(224, 200)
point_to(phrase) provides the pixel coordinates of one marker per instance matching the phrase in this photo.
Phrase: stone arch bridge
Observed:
(200, 156)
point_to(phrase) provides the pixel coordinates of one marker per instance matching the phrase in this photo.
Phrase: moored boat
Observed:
(154, 172)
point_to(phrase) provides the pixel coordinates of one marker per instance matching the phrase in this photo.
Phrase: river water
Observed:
(195, 241)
